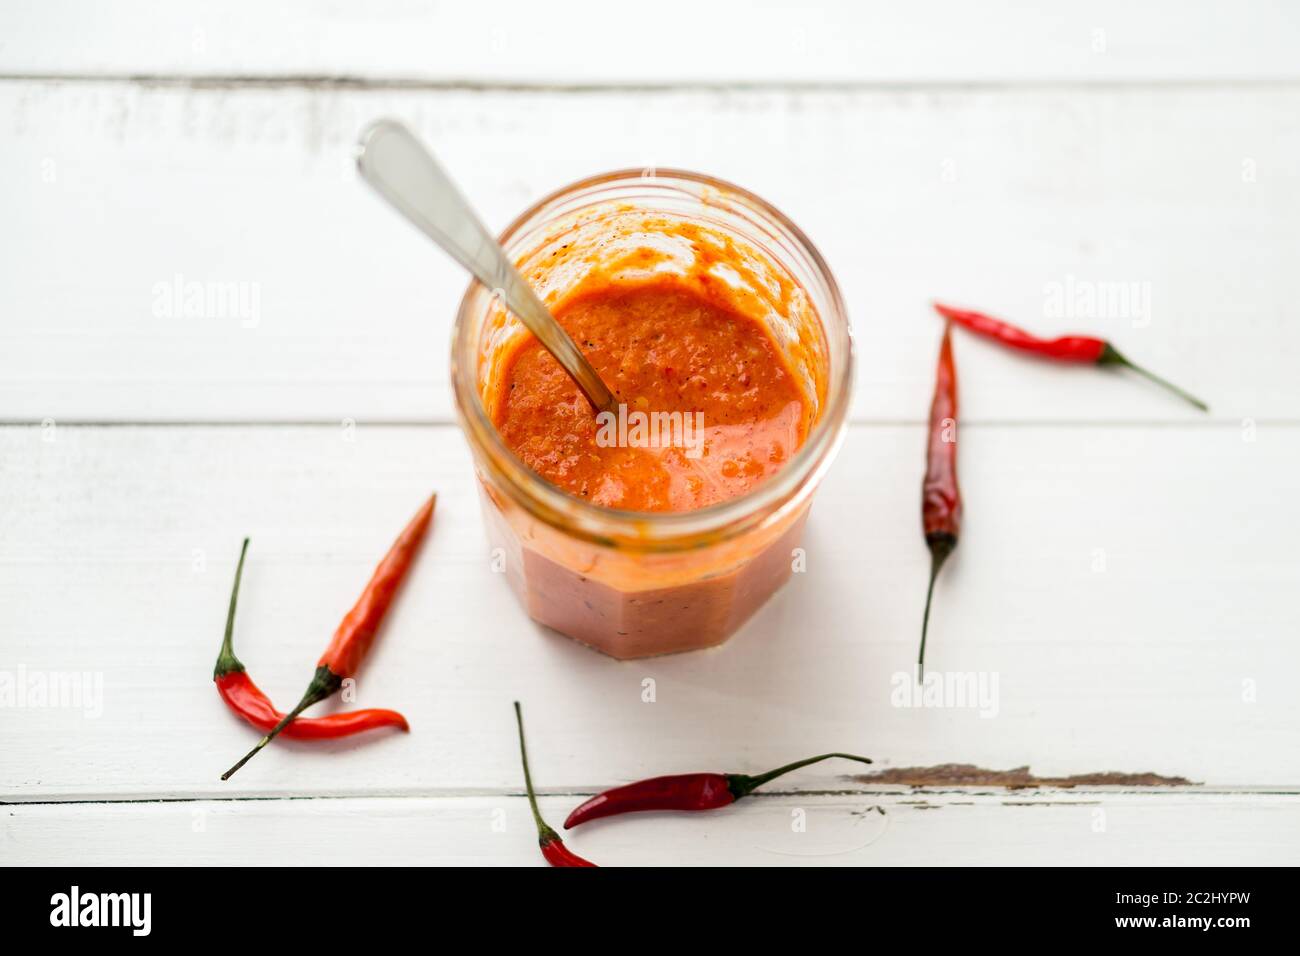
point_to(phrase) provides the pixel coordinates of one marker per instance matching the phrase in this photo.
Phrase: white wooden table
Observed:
(1129, 568)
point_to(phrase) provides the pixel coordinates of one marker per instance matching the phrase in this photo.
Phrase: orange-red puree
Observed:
(662, 345)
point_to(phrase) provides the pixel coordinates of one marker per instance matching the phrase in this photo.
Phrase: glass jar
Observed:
(635, 584)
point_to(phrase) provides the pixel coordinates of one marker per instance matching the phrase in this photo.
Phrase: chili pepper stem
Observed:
(741, 784)
(1112, 356)
(324, 683)
(544, 832)
(226, 659)
(940, 547)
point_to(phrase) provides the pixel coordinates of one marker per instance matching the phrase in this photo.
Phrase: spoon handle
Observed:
(405, 173)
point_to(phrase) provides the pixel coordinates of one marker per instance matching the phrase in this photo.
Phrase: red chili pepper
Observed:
(685, 791)
(1068, 348)
(357, 631)
(553, 848)
(940, 495)
(246, 699)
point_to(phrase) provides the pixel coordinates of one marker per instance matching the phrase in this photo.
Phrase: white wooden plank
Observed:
(1052, 829)
(992, 199)
(676, 41)
(1132, 589)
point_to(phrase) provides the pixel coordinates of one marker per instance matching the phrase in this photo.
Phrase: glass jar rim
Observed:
(660, 531)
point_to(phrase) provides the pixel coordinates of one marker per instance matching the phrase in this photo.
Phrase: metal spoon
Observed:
(405, 173)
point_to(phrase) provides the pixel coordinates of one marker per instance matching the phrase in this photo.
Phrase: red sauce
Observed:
(662, 345)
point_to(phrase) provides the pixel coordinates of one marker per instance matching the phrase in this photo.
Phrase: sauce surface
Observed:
(662, 347)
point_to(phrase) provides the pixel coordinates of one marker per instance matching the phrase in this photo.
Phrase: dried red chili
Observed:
(357, 631)
(1068, 348)
(246, 699)
(685, 791)
(940, 494)
(553, 848)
